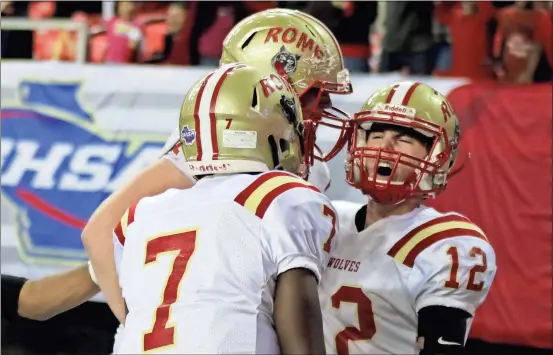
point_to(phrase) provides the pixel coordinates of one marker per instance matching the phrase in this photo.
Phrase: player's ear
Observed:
(297, 313)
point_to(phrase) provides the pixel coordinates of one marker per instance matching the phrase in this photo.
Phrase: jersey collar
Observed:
(360, 218)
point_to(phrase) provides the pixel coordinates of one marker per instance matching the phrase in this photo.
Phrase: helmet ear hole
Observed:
(247, 42)
(255, 101)
(274, 151)
(310, 30)
(284, 145)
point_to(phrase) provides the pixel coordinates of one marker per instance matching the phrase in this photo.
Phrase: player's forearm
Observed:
(306, 336)
(101, 256)
(99, 248)
(47, 297)
(97, 239)
(297, 314)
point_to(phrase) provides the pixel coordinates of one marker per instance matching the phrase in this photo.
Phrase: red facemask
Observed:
(430, 173)
(318, 111)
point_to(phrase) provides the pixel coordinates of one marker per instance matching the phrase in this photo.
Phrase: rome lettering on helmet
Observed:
(447, 110)
(292, 35)
(274, 83)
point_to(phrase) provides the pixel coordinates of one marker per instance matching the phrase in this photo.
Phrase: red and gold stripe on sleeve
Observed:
(126, 220)
(416, 241)
(259, 195)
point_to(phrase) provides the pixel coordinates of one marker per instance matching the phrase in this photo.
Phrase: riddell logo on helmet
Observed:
(274, 83)
(292, 35)
(200, 168)
(404, 110)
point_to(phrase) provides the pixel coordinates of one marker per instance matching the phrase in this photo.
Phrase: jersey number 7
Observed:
(183, 242)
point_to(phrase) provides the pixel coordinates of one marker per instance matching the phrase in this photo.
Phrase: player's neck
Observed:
(376, 211)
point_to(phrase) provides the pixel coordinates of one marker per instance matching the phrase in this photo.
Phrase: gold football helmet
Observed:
(301, 49)
(237, 119)
(412, 105)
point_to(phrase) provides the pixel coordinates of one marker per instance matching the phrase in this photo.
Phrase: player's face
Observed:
(398, 139)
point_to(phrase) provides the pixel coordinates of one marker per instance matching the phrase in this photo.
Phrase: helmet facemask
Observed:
(373, 169)
(304, 131)
(319, 114)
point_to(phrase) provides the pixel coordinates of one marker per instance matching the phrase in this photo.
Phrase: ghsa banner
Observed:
(58, 166)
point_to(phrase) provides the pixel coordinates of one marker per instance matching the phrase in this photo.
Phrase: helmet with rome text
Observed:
(231, 123)
(304, 51)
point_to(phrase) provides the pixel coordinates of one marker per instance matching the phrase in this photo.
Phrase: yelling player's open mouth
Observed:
(384, 169)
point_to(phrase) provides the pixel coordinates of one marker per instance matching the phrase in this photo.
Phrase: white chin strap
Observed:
(428, 181)
(357, 163)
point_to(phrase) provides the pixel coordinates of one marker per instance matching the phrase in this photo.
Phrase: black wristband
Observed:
(11, 289)
(443, 329)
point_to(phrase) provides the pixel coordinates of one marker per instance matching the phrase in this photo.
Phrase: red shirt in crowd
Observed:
(123, 39)
(470, 53)
(518, 31)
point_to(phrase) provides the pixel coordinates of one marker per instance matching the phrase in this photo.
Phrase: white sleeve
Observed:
(456, 272)
(301, 226)
(170, 142)
(172, 151)
(319, 176)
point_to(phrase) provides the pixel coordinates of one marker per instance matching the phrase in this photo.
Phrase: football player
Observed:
(301, 49)
(305, 49)
(232, 265)
(291, 43)
(403, 278)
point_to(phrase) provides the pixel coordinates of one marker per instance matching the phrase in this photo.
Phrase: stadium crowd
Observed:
(509, 41)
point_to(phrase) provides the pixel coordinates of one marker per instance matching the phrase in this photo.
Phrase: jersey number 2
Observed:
(185, 243)
(365, 317)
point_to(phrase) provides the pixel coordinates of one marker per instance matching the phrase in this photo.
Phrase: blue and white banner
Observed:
(71, 134)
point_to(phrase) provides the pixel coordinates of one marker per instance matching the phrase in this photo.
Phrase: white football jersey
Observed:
(198, 266)
(319, 175)
(378, 279)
